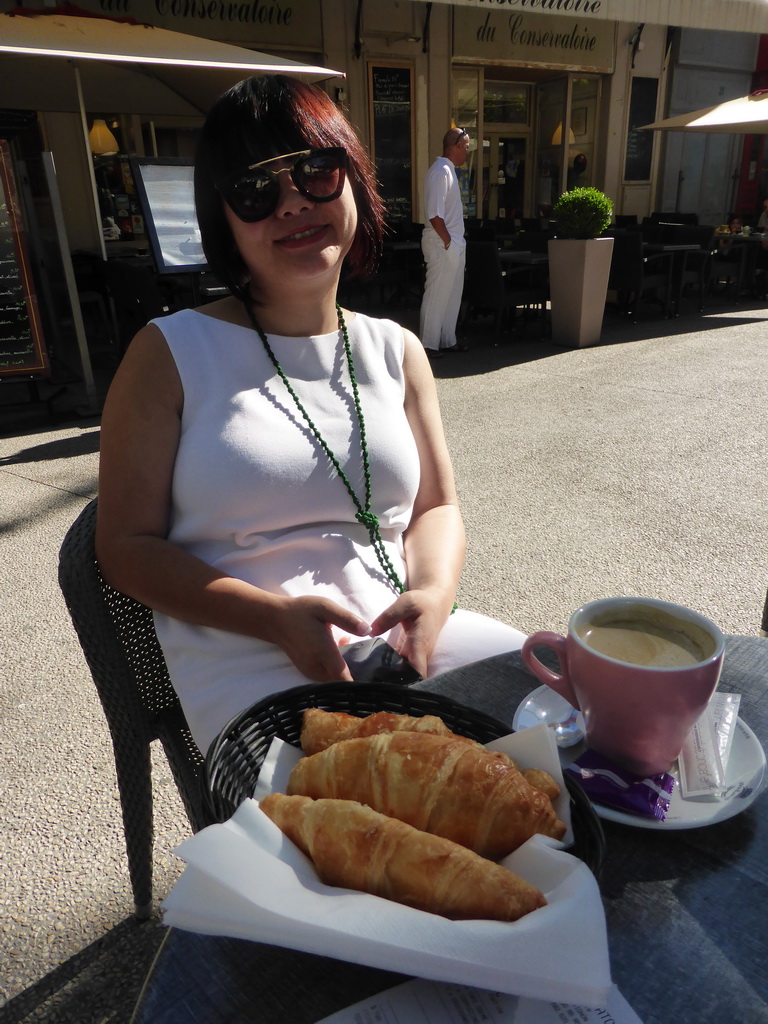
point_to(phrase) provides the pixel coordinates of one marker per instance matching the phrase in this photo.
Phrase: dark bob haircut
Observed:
(263, 117)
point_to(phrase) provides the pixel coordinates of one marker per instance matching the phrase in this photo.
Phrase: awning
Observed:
(720, 15)
(746, 115)
(125, 67)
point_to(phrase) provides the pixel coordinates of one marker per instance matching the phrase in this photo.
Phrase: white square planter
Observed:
(578, 283)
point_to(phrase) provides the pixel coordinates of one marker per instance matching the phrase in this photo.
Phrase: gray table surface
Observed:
(686, 910)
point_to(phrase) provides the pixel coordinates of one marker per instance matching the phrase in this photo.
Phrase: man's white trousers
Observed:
(442, 292)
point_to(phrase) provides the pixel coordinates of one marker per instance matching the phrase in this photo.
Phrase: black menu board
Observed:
(642, 110)
(22, 348)
(391, 90)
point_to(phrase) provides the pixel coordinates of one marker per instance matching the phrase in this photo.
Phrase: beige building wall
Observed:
(631, 197)
(389, 31)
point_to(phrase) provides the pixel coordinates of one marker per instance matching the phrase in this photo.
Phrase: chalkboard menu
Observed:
(391, 90)
(22, 349)
(642, 110)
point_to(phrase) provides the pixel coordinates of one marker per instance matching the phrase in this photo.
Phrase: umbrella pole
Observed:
(89, 161)
(69, 277)
(69, 273)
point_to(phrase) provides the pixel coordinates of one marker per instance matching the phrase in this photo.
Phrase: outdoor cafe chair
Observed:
(731, 267)
(490, 289)
(136, 297)
(117, 635)
(636, 276)
(696, 266)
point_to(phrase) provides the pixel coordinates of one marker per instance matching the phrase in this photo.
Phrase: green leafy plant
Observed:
(582, 213)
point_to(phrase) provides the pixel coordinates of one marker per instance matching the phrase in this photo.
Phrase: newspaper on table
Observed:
(428, 1002)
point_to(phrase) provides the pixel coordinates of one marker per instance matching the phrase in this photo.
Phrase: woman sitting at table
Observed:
(734, 228)
(274, 477)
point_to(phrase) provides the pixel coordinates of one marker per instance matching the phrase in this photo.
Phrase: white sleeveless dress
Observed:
(255, 495)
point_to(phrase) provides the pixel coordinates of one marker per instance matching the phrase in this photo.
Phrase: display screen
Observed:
(166, 192)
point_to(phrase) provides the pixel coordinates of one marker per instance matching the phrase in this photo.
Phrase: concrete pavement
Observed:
(635, 467)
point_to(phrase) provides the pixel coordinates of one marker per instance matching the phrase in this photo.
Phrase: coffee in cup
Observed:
(641, 671)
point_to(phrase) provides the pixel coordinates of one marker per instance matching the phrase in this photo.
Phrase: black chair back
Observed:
(483, 282)
(690, 234)
(634, 273)
(136, 296)
(626, 262)
(662, 217)
(117, 635)
(481, 233)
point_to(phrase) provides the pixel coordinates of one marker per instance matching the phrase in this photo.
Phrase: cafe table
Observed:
(686, 909)
(521, 257)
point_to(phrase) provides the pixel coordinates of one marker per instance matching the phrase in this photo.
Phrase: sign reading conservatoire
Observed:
(390, 91)
(520, 38)
(22, 349)
(294, 24)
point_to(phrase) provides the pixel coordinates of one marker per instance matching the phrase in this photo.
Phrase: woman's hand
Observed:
(302, 628)
(421, 614)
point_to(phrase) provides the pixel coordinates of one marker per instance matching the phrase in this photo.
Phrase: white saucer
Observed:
(745, 779)
(546, 706)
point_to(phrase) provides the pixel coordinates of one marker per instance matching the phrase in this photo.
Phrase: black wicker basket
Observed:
(235, 757)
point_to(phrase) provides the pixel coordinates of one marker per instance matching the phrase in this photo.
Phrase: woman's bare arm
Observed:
(141, 426)
(435, 541)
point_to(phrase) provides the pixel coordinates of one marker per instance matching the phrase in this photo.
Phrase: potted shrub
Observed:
(579, 265)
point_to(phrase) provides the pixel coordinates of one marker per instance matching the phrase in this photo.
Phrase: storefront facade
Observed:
(552, 93)
(546, 98)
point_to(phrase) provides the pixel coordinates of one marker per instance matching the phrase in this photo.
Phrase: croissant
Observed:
(355, 847)
(320, 729)
(438, 784)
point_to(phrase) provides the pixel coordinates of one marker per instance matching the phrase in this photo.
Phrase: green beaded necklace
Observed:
(364, 514)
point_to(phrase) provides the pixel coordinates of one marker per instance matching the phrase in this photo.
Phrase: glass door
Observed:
(566, 138)
(585, 95)
(552, 144)
(504, 177)
(506, 122)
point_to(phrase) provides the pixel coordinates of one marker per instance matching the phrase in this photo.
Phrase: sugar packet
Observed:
(703, 761)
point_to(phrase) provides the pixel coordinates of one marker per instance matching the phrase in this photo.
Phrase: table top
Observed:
(685, 910)
(753, 236)
(521, 256)
(670, 247)
(410, 245)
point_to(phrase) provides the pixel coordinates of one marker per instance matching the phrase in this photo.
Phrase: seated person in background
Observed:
(734, 228)
(274, 478)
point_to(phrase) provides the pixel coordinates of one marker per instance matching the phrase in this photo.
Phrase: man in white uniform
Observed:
(444, 247)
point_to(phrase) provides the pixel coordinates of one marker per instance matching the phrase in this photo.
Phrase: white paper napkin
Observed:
(246, 880)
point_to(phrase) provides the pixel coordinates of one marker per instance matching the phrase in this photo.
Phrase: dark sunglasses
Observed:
(318, 174)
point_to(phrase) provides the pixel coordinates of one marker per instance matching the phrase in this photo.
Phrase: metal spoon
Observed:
(544, 706)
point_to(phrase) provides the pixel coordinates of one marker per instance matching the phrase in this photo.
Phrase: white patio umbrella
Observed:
(746, 115)
(65, 59)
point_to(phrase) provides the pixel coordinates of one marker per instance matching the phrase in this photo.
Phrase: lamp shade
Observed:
(557, 138)
(101, 139)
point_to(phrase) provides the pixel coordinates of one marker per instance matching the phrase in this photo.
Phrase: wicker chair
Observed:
(118, 638)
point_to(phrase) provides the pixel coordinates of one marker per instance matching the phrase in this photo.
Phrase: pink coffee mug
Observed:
(641, 671)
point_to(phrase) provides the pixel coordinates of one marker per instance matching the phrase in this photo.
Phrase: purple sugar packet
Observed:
(606, 783)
